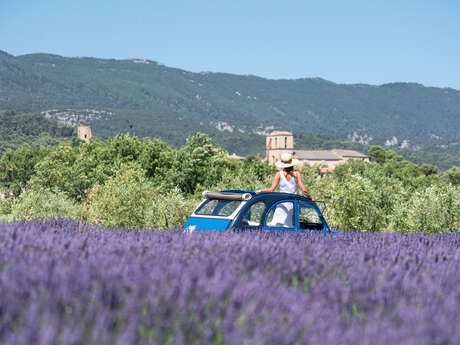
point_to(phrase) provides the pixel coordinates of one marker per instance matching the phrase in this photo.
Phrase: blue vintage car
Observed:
(245, 210)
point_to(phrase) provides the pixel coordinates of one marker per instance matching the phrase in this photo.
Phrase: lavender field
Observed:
(59, 285)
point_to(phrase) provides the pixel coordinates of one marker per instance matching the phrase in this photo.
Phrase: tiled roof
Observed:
(317, 155)
(350, 153)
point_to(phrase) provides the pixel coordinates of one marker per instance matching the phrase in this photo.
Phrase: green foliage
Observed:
(453, 175)
(17, 129)
(140, 183)
(443, 161)
(435, 209)
(6, 206)
(150, 91)
(378, 153)
(428, 169)
(44, 203)
(374, 197)
(193, 163)
(125, 200)
(129, 200)
(409, 173)
(58, 170)
(6, 218)
(362, 200)
(17, 167)
(170, 210)
(37, 131)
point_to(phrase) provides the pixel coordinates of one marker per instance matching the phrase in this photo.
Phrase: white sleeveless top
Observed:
(288, 186)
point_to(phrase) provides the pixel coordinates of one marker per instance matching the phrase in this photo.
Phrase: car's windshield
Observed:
(220, 208)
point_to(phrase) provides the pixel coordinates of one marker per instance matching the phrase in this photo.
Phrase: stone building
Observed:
(84, 133)
(327, 160)
(279, 142)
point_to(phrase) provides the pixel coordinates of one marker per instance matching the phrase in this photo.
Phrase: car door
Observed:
(309, 218)
(281, 216)
(253, 216)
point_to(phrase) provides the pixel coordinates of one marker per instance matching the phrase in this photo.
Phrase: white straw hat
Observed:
(286, 161)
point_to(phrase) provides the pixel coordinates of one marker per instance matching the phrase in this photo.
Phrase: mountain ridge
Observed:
(232, 74)
(426, 118)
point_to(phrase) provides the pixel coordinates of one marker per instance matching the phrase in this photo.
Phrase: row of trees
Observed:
(130, 182)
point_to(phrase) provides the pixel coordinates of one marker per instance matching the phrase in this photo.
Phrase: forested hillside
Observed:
(34, 129)
(399, 114)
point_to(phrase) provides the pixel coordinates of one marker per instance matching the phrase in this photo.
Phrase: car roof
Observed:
(269, 195)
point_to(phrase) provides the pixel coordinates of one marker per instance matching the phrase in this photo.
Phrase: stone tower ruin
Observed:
(84, 133)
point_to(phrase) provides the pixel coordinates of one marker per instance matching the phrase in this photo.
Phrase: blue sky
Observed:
(371, 42)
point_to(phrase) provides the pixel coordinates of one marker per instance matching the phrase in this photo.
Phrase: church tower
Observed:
(278, 142)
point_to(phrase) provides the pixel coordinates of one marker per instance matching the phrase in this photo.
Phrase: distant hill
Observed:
(17, 129)
(120, 93)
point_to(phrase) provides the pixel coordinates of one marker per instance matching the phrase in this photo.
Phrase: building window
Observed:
(285, 142)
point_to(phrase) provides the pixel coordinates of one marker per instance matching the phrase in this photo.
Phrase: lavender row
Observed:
(63, 285)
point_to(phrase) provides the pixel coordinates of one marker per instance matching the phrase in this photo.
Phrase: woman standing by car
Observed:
(288, 181)
(287, 178)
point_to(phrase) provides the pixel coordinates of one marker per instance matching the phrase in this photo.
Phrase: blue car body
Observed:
(245, 210)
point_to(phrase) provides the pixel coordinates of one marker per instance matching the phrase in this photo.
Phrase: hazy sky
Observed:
(372, 42)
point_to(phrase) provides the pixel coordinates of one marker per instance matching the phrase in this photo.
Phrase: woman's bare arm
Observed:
(275, 183)
(301, 185)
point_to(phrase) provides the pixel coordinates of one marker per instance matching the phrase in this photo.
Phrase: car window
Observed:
(281, 215)
(309, 217)
(253, 216)
(215, 207)
(228, 208)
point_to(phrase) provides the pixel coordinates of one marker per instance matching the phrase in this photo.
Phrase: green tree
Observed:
(57, 170)
(17, 167)
(360, 200)
(429, 169)
(453, 175)
(125, 200)
(193, 163)
(378, 154)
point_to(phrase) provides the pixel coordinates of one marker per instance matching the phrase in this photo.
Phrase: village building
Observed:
(279, 142)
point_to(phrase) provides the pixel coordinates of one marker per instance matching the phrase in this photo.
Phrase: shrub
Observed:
(453, 175)
(432, 210)
(6, 218)
(123, 201)
(359, 202)
(170, 210)
(6, 206)
(43, 203)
